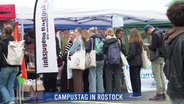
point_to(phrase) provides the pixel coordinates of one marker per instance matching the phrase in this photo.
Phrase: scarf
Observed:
(172, 34)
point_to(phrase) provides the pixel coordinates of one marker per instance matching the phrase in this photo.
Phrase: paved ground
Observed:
(143, 100)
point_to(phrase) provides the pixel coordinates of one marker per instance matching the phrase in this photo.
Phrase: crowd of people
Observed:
(107, 75)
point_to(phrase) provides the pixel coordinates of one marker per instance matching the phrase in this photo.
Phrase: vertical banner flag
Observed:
(45, 37)
(117, 21)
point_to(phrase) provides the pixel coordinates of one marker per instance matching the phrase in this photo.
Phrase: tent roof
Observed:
(95, 12)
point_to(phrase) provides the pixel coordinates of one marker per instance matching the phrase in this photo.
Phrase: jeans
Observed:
(113, 77)
(96, 77)
(175, 100)
(7, 78)
(157, 69)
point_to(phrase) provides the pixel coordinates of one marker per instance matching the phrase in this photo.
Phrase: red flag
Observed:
(23, 68)
(16, 32)
(17, 37)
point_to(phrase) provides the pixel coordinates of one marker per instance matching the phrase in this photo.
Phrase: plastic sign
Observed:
(117, 21)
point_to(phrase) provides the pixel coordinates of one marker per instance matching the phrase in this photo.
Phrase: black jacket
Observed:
(107, 42)
(134, 55)
(155, 44)
(111, 40)
(4, 49)
(174, 66)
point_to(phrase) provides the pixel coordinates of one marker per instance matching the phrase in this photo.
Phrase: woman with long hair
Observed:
(96, 73)
(135, 61)
(79, 42)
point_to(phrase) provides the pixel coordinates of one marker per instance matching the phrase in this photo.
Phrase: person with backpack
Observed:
(8, 72)
(112, 62)
(174, 53)
(135, 61)
(156, 61)
(96, 73)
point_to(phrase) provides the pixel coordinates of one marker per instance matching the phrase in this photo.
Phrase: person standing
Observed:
(120, 36)
(96, 73)
(79, 42)
(112, 69)
(8, 72)
(50, 79)
(64, 87)
(174, 53)
(156, 61)
(135, 61)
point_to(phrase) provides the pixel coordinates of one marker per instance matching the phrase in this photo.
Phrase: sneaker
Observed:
(157, 97)
(135, 96)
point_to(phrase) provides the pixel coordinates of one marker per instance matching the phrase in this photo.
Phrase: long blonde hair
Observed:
(135, 36)
(83, 36)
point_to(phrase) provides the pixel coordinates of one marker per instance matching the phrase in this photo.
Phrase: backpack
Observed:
(160, 50)
(113, 55)
(15, 52)
(99, 46)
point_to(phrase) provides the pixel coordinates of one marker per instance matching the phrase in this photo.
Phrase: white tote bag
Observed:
(69, 70)
(123, 59)
(145, 60)
(91, 58)
(78, 60)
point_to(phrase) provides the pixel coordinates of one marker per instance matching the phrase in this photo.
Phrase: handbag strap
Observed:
(92, 44)
(142, 48)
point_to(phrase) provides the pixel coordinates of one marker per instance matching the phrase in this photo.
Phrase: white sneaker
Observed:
(135, 96)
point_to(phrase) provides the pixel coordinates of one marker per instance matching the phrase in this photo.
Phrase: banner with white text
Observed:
(45, 37)
(147, 80)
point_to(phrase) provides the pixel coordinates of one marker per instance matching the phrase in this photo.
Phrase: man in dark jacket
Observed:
(174, 53)
(156, 61)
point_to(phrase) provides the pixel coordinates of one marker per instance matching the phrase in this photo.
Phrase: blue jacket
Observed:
(77, 45)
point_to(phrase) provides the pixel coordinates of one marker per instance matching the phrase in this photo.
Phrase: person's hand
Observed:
(146, 44)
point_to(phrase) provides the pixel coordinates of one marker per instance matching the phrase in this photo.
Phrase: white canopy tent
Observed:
(95, 12)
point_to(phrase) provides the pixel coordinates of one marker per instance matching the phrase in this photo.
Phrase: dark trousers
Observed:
(66, 84)
(50, 82)
(135, 79)
(85, 79)
(78, 80)
(113, 77)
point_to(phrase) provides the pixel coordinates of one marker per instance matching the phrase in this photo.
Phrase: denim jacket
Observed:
(76, 46)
